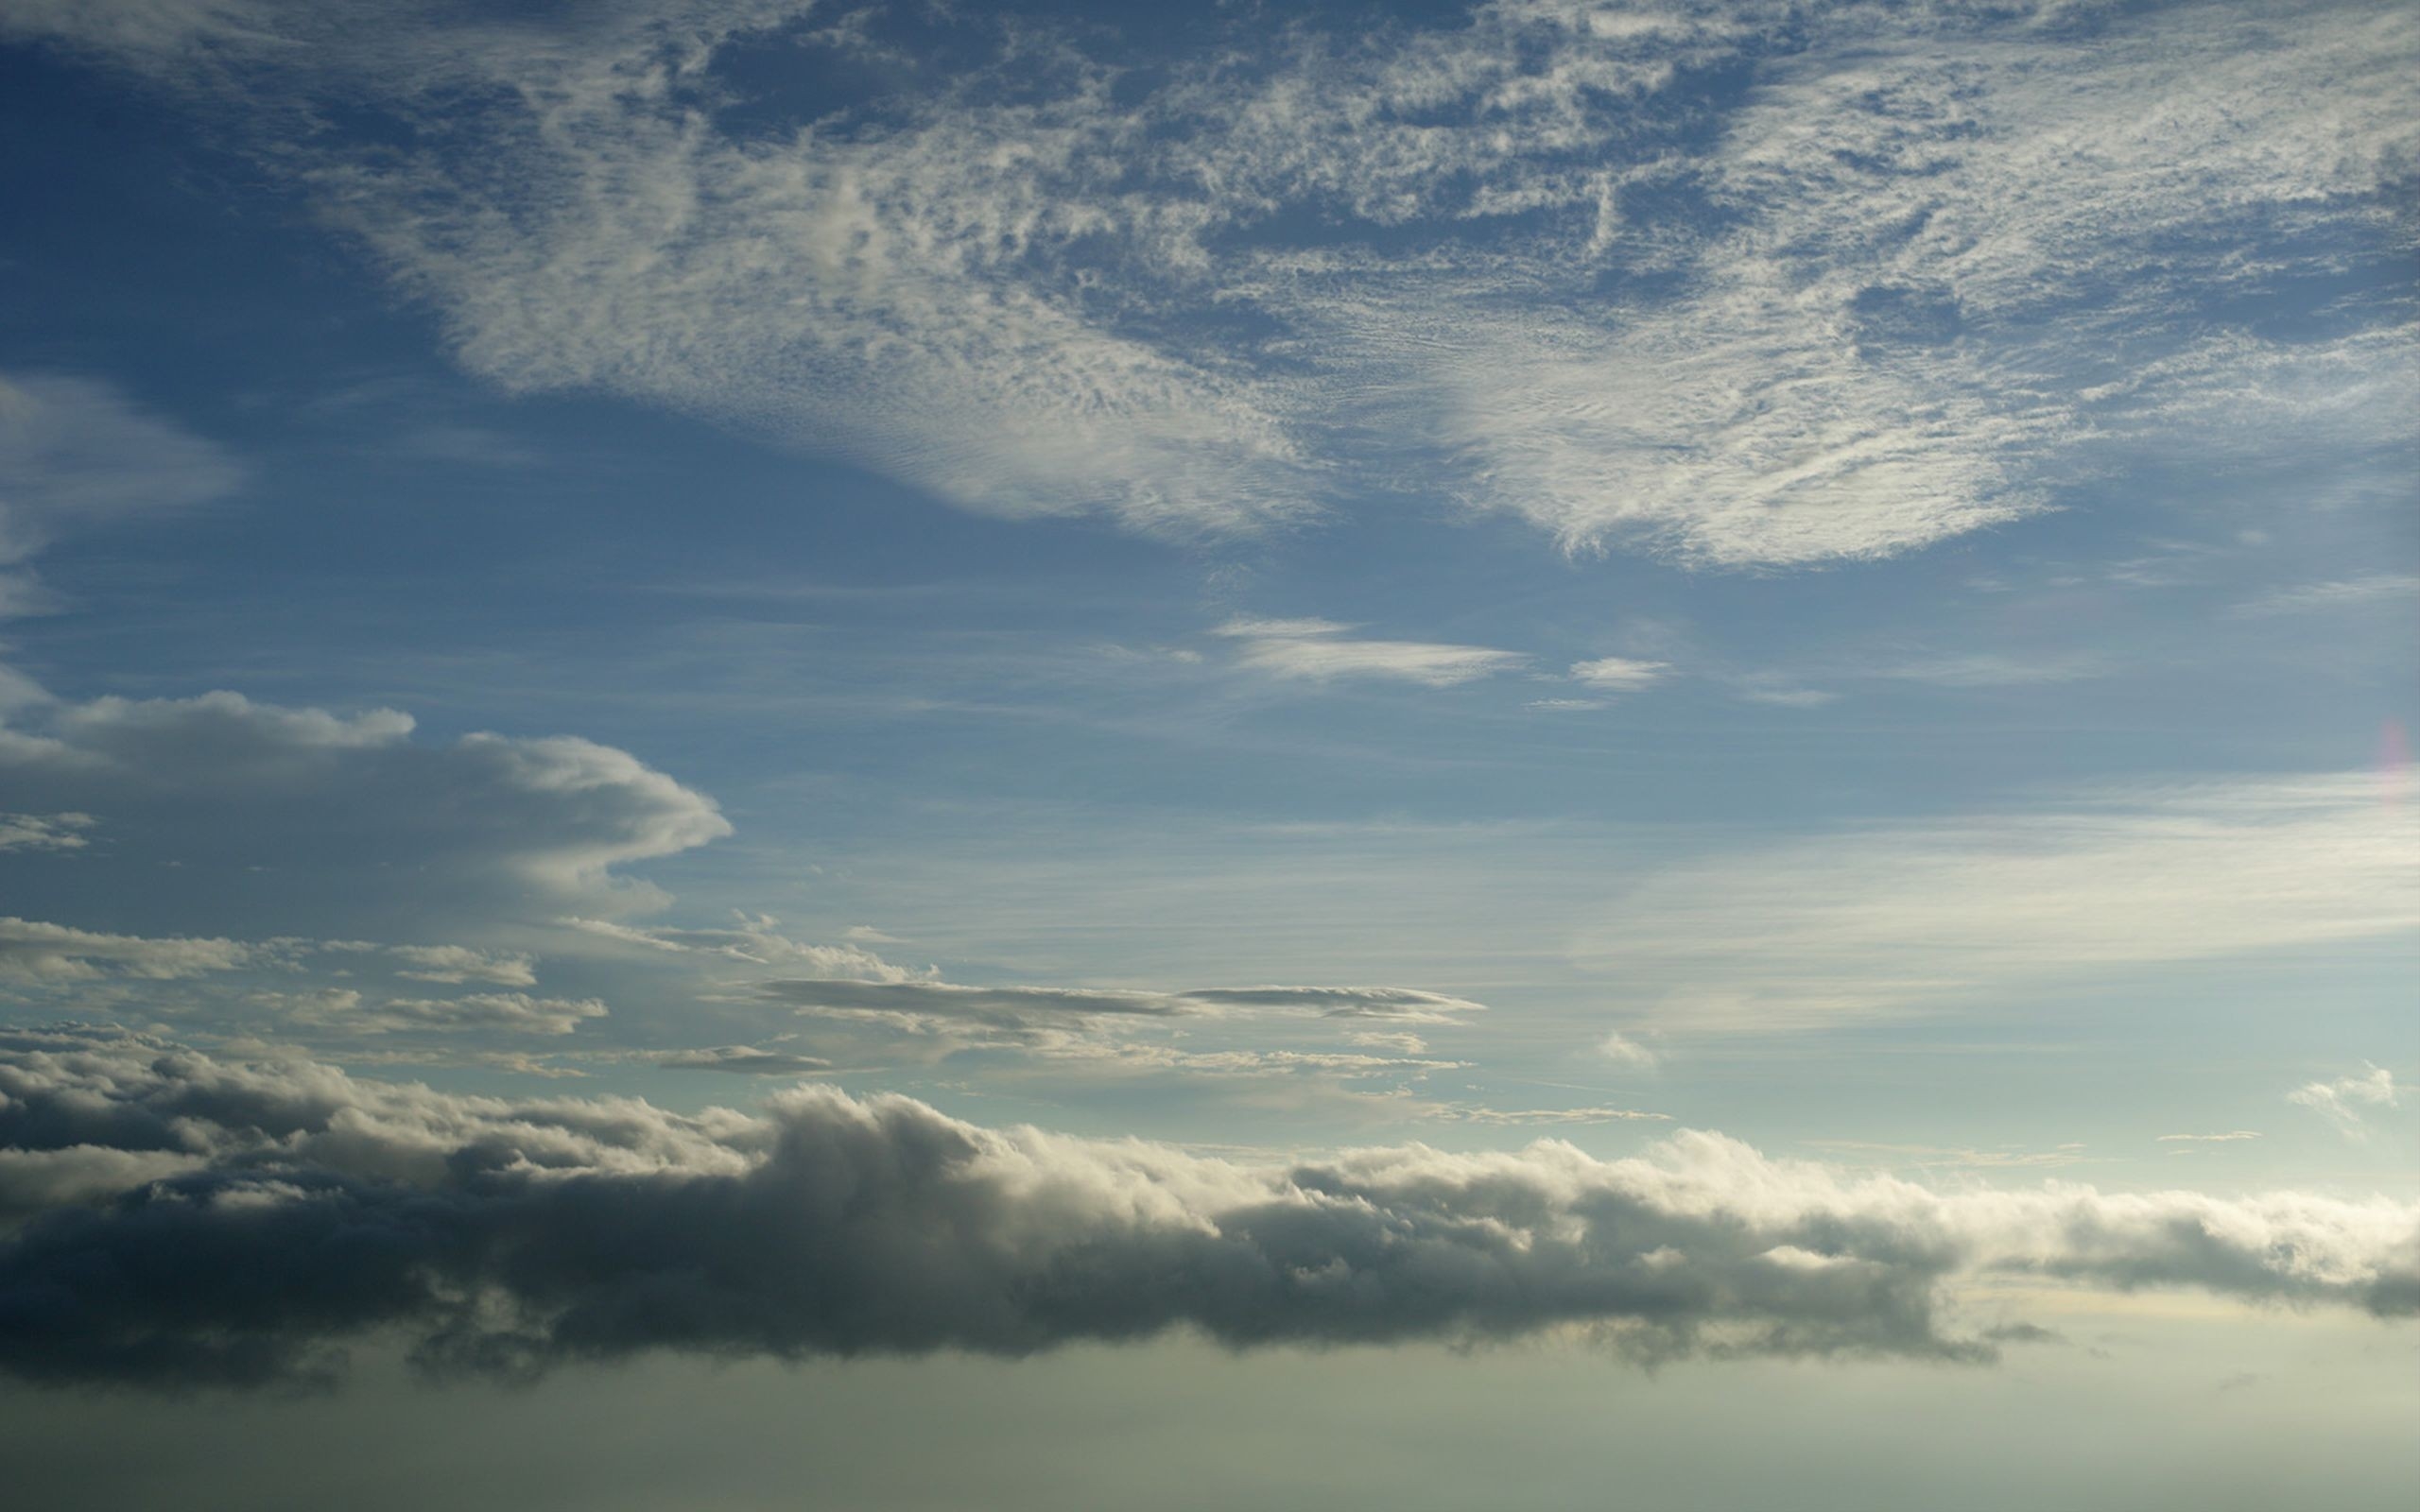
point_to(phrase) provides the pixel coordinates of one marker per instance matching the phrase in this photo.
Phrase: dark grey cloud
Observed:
(261, 1216)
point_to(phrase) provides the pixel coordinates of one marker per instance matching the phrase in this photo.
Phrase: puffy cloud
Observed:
(225, 811)
(1320, 650)
(2340, 1100)
(202, 1221)
(1874, 923)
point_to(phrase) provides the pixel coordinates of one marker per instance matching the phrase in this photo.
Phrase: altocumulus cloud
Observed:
(1742, 282)
(189, 1220)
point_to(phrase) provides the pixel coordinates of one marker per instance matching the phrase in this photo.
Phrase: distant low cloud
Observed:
(189, 1220)
(1320, 650)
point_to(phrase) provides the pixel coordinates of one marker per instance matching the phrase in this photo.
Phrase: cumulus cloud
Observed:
(197, 1220)
(2341, 1101)
(1320, 650)
(1880, 922)
(226, 810)
(1740, 283)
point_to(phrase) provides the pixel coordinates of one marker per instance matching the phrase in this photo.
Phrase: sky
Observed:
(758, 753)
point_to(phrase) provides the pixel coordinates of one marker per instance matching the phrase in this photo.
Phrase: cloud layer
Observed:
(1740, 284)
(188, 1220)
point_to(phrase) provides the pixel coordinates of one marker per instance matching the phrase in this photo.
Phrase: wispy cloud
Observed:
(1619, 674)
(74, 452)
(1320, 650)
(1884, 922)
(2344, 592)
(1738, 284)
(2341, 1101)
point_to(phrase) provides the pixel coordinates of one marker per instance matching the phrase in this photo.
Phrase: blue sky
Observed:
(1269, 580)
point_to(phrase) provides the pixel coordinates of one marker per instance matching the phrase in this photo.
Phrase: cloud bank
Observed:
(188, 1220)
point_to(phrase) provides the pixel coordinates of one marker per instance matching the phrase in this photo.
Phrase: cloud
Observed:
(339, 825)
(506, 1012)
(757, 942)
(1747, 284)
(1320, 650)
(1623, 1051)
(746, 1060)
(460, 963)
(1619, 674)
(2229, 1137)
(1880, 922)
(44, 832)
(1008, 1006)
(1519, 1117)
(34, 952)
(224, 1223)
(75, 453)
(2340, 1100)
(2343, 593)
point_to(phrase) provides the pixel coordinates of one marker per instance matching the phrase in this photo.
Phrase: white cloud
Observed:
(1624, 1051)
(457, 964)
(1891, 921)
(2340, 1100)
(757, 941)
(2231, 1136)
(1320, 650)
(1618, 674)
(1742, 285)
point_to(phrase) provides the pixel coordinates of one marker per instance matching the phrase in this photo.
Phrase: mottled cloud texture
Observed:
(1743, 284)
(185, 1219)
